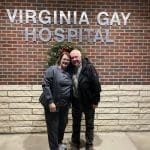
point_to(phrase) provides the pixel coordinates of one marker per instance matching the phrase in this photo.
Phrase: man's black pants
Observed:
(56, 124)
(89, 122)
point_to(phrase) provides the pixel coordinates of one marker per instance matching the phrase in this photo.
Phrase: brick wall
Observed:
(123, 66)
(126, 61)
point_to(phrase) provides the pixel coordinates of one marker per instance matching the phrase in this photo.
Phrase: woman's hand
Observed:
(52, 107)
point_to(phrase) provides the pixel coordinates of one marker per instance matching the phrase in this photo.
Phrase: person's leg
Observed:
(89, 119)
(52, 129)
(63, 120)
(76, 116)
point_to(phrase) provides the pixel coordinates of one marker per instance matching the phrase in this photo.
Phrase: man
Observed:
(86, 95)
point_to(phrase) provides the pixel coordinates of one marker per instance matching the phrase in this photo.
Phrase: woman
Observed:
(56, 88)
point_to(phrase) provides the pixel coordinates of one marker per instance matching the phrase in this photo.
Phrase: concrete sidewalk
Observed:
(103, 141)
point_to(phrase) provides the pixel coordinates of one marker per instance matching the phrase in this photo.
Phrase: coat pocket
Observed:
(43, 100)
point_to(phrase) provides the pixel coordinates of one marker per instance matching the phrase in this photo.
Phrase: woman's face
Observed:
(65, 60)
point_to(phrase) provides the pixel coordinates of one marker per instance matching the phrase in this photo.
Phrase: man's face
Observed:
(75, 58)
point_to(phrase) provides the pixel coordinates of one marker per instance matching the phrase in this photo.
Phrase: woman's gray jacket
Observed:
(57, 85)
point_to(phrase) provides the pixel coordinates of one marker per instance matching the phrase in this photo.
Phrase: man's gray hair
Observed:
(76, 51)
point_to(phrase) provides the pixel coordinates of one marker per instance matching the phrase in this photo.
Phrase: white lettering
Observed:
(83, 18)
(71, 34)
(107, 39)
(33, 33)
(125, 18)
(75, 17)
(21, 16)
(30, 14)
(89, 34)
(55, 17)
(59, 35)
(98, 36)
(13, 16)
(104, 21)
(63, 17)
(115, 19)
(41, 19)
(45, 39)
